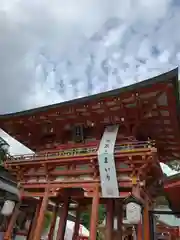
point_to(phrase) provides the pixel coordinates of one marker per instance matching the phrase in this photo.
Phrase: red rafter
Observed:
(148, 108)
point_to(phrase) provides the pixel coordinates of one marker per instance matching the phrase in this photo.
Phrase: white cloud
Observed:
(56, 50)
(15, 147)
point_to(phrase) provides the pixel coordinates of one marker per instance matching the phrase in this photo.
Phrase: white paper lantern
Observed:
(133, 213)
(8, 207)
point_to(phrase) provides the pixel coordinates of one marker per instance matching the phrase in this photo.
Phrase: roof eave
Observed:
(171, 76)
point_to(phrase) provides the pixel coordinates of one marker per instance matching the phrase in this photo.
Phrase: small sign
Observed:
(134, 180)
(7, 208)
(133, 213)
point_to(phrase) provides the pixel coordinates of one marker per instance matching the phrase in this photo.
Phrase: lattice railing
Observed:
(83, 150)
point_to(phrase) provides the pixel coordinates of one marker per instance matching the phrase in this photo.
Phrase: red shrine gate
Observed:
(72, 170)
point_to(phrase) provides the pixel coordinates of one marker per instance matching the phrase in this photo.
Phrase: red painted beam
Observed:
(71, 184)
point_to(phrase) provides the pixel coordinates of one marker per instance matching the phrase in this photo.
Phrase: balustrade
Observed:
(65, 151)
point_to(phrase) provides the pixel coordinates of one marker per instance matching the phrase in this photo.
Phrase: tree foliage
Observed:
(47, 220)
(174, 165)
(3, 152)
(161, 201)
(86, 215)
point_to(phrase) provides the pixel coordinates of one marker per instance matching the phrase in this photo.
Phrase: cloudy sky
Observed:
(57, 50)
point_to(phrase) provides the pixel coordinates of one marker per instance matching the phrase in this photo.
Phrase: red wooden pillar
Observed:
(40, 221)
(94, 215)
(109, 219)
(63, 220)
(120, 221)
(146, 221)
(53, 223)
(8, 233)
(34, 221)
(139, 231)
(77, 224)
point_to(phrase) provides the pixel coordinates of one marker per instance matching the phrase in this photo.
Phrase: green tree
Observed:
(47, 220)
(161, 201)
(174, 165)
(3, 151)
(85, 216)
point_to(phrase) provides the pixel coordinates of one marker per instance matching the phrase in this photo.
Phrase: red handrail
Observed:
(78, 148)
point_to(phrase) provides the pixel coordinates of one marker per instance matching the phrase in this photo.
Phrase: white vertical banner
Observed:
(107, 169)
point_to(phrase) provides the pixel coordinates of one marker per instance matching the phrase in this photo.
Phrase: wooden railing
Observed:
(86, 150)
